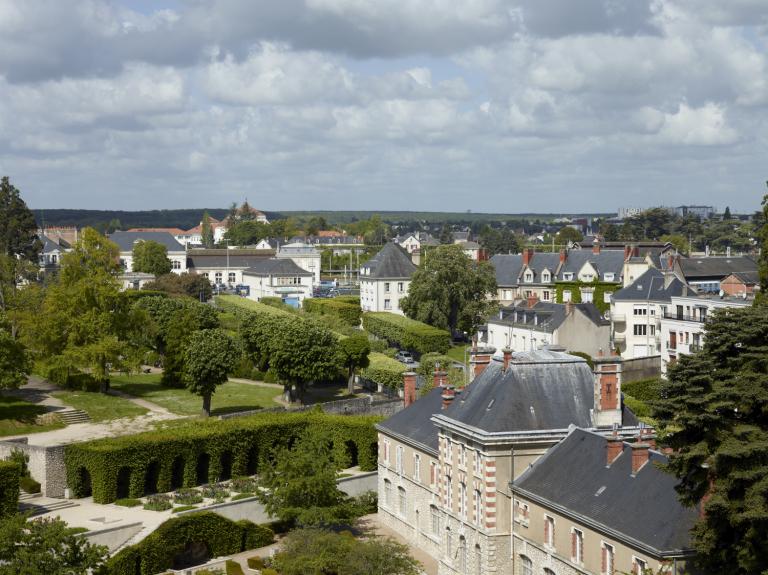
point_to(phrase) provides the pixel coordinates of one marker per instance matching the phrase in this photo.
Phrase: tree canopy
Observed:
(14, 361)
(151, 257)
(353, 354)
(206, 231)
(568, 234)
(503, 241)
(714, 407)
(450, 291)
(210, 355)
(193, 285)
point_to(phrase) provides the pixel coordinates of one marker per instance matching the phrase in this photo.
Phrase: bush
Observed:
(586, 356)
(187, 497)
(156, 552)
(639, 408)
(269, 571)
(407, 333)
(128, 502)
(643, 389)
(181, 508)
(366, 503)
(158, 502)
(197, 452)
(29, 485)
(234, 568)
(215, 492)
(243, 495)
(244, 484)
(255, 535)
(384, 371)
(10, 472)
(348, 312)
(256, 562)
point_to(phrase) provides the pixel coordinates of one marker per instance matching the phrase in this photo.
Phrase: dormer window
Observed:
(546, 276)
(568, 276)
(528, 276)
(609, 277)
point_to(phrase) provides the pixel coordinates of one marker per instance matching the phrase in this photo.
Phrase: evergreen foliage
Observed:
(384, 371)
(406, 333)
(10, 474)
(762, 265)
(344, 309)
(714, 408)
(206, 231)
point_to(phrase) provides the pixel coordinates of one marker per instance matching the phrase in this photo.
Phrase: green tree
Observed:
(210, 355)
(610, 232)
(714, 410)
(353, 354)
(248, 233)
(680, 243)
(194, 285)
(727, 213)
(450, 291)
(45, 547)
(322, 552)
(151, 257)
(762, 296)
(207, 231)
(568, 234)
(446, 235)
(14, 360)
(502, 241)
(315, 224)
(300, 486)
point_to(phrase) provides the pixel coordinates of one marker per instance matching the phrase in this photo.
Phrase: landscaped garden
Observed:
(18, 417)
(98, 406)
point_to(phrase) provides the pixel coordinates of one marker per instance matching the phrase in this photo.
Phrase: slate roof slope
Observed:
(574, 476)
(126, 240)
(213, 260)
(716, 267)
(748, 277)
(49, 245)
(545, 316)
(542, 390)
(510, 266)
(392, 261)
(274, 266)
(649, 287)
(414, 422)
(610, 261)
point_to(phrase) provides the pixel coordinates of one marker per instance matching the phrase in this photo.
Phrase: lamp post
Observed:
(226, 241)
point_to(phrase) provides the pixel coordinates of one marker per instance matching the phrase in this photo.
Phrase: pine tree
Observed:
(727, 214)
(715, 406)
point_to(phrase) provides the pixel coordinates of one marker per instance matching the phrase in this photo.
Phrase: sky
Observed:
(485, 105)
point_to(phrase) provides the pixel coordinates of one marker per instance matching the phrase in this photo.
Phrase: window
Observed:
(522, 512)
(387, 304)
(218, 276)
(606, 562)
(587, 295)
(546, 276)
(477, 503)
(577, 546)
(548, 571)
(568, 276)
(54, 259)
(528, 276)
(640, 329)
(386, 452)
(434, 516)
(549, 531)
(463, 500)
(526, 566)
(432, 473)
(448, 451)
(387, 493)
(609, 277)
(448, 542)
(639, 566)
(545, 295)
(176, 264)
(448, 492)
(205, 275)
(462, 455)
(399, 459)
(417, 467)
(653, 329)
(462, 555)
(607, 297)
(232, 277)
(478, 561)
(401, 503)
(478, 467)
(639, 310)
(386, 287)
(566, 295)
(400, 287)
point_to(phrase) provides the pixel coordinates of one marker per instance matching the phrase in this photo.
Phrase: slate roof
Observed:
(509, 267)
(49, 245)
(573, 476)
(218, 258)
(125, 240)
(414, 422)
(716, 267)
(747, 277)
(275, 266)
(392, 261)
(607, 261)
(650, 287)
(545, 316)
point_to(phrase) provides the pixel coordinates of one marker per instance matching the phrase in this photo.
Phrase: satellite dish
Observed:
(721, 293)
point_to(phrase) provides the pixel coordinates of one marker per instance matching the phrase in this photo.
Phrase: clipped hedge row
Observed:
(221, 536)
(10, 474)
(199, 452)
(239, 305)
(643, 389)
(348, 312)
(384, 371)
(407, 333)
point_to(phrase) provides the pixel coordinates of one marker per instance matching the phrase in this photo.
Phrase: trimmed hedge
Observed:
(203, 451)
(643, 389)
(10, 474)
(384, 371)
(238, 305)
(348, 312)
(407, 333)
(156, 552)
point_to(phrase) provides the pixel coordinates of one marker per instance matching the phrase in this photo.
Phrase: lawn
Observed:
(228, 397)
(457, 353)
(98, 406)
(18, 417)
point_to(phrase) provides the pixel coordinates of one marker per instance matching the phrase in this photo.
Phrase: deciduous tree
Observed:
(151, 257)
(194, 285)
(568, 234)
(353, 354)
(210, 355)
(14, 361)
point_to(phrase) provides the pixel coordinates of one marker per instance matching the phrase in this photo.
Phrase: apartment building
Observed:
(385, 279)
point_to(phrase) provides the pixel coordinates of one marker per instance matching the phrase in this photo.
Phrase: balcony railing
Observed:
(619, 337)
(618, 317)
(682, 317)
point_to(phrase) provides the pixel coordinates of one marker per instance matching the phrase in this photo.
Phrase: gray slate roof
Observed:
(126, 240)
(716, 267)
(542, 390)
(650, 287)
(414, 422)
(202, 261)
(607, 261)
(49, 245)
(276, 267)
(644, 508)
(392, 261)
(748, 277)
(509, 267)
(545, 316)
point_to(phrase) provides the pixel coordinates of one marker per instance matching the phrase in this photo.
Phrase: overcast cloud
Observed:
(482, 105)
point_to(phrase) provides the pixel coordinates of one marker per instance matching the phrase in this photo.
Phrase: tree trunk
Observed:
(351, 382)
(207, 405)
(104, 385)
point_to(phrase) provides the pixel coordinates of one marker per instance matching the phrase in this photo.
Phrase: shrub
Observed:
(158, 502)
(255, 535)
(407, 333)
(256, 562)
(234, 568)
(242, 306)
(187, 497)
(243, 484)
(29, 485)
(9, 488)
(269, 571)
(347, 311)
(215, 492)
(366, 503)
(243, 495)
(181, 508)
(196, 452)
(639, 408)
(643, 389)
(128, 502)
(384, 371)
(156, 552)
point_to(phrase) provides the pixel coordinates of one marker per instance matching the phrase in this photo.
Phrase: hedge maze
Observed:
(201, 452)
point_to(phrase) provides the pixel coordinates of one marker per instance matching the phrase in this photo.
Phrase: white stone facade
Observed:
(383, 294)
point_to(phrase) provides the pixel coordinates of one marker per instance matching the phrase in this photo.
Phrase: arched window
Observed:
(462, 554)
(526, 566)
(387, 493)
(448, 543)
(434, 517)
(548, 571)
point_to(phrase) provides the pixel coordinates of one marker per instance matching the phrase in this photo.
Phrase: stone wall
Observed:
(46, 465)
(640, 368)
(358, 484)
(113, 537)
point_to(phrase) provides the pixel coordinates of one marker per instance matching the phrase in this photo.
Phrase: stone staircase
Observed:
(71, 416)
(25, 497)
(35, 509)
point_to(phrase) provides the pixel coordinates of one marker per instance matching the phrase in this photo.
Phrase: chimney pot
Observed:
(527, 256)
(532, 299)
(440, 378)
(563, 256)
(507, 357)
(448, 394)
(614, 448)
(409, 388)
(640, 456)
(596, 246)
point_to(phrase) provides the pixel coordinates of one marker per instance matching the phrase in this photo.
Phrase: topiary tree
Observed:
(151, 257)
(353, 354)
(210, 355)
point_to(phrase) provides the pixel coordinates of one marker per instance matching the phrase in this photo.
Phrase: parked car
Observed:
(404, 357)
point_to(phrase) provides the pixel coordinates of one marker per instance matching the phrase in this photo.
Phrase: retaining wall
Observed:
(640, 368)
(46, 464)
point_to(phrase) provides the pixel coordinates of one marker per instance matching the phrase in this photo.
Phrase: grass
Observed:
(457, 353)
(19, 417)
(98, 406)
(126, 502)
(229, 397)
(181, 508)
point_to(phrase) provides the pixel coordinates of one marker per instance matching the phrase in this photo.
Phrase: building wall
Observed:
(518, 338)
(625, 316)
(736, 287)
(579, 333)
(225, 275)
(374, 294)
(509, 293)
(308, 262)
(262, 286)
(178, 260)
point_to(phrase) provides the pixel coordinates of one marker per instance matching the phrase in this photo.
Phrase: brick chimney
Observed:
(409, 388)
(527, 256)
(563, 255)
(670, 261)
(440, 378)
(636, 251)
(568, 308)
(596, 246)
(613, 448)
(640, 456)
(479, 359)
(627, 252)
(507, 353)
(607, 388)
(532, 300)
(448, 394)
(647, 435)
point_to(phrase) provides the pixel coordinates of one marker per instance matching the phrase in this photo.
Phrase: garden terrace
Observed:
(200, 452)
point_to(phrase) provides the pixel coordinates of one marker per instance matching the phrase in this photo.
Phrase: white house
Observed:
(281, 278)
(305, 256)
(50, 254)
(385, 279)
(684, 322)
(126, 241)
(636, 312)
(225, 266)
